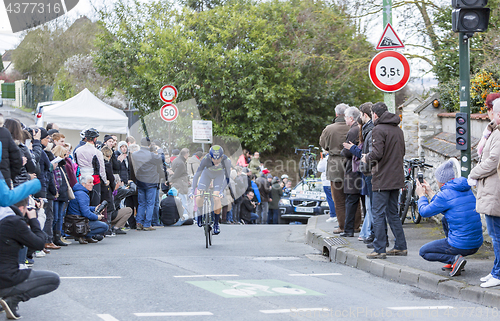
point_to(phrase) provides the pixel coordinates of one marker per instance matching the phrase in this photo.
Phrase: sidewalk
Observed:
(411, 269)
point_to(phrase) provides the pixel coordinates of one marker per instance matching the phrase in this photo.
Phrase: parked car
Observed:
(39, 111)
(305, 200)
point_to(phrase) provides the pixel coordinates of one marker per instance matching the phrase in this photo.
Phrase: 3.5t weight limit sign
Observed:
(169, 112)
(389, 71)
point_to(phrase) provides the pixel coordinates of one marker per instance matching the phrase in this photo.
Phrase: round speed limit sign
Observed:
(169, 112)
(168, 93)
(389, 71)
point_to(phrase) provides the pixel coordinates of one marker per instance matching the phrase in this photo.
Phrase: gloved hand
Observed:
(471, 181)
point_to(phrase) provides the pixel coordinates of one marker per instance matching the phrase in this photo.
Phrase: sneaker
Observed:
(486, 278)
(458, 265)
(40, 254)
(140, 227)
(396, 252)
(199, 221)
(158, 226)
(448, 267)
(149, 228)
(109, 233)
(125, 229)
(10, 307)
(369, 239)
(65, 241)
(331, 220)
(242, 222)
(119, 231)
(216, 229)
(23, 266)
(375, 255)
(98, 237)
(361, 238)
(491, 282)
(29, 262)
(338, 231)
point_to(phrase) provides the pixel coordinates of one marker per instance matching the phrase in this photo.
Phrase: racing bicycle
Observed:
(207, 218)
(407, 197)
(308, 164)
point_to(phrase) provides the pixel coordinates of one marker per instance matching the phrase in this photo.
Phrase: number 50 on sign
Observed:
(169, 112)
(389, 71)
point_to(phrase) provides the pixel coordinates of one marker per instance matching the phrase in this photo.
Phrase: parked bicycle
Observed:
(308, 164)
(407, 198)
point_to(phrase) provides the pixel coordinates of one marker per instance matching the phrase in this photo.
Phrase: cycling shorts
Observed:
(207, 176)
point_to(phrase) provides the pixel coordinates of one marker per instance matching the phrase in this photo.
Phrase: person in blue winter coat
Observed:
(80, 206)
(461, 222)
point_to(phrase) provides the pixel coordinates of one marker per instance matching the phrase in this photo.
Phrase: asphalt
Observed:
(412, 269)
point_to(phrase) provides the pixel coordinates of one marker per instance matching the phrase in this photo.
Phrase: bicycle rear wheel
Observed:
(409, 192)
(303, 166)
(403, 194)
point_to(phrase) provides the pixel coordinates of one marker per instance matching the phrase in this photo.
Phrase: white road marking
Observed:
(171, 314)
(204, 276)
(441, 307)
(315, 274)
(276, 258)
(90, 277)
(293, 310)
(107, 317)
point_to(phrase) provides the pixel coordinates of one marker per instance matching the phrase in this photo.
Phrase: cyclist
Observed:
(214, 167)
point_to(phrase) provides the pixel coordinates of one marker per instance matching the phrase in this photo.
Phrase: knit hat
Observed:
(269, 176)
(106, 138)
(265, 171)
(52, 131)
(172, 191)
(176, 152)
(379, 109)
(43, 133)
(445, 172)
(120, 144)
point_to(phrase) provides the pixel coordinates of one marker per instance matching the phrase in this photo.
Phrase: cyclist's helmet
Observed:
(216, 152)
(91, 133)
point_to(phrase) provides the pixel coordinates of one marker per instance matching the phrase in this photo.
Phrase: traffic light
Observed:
(461, 120)
(470, 16)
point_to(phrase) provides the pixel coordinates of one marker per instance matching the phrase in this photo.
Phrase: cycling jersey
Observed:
(208, 172)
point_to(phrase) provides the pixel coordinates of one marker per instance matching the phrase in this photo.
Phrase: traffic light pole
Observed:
(465, 159)
(389, 98)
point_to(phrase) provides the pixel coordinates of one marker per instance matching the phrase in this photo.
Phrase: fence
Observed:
(8, 90)
(36, 94)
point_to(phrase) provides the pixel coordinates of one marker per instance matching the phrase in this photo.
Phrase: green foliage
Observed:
(449, 94)
(267, 72)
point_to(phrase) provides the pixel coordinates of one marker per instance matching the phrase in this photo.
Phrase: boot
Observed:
(57, 239)
(10, 305)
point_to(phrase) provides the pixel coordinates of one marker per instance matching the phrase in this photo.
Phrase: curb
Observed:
(343, 254)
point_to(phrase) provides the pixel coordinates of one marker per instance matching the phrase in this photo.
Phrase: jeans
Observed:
(184, 200)
(59, 210)
(442, 251)
(49, 220)
(38, 283)
(156, 211)
(229, 217)
(366, 229)
(273, 217)
(254, 218)
(262, 210)
(329, 199)
(96, 227)
(493, 224)
(146, 197)
(385, 204)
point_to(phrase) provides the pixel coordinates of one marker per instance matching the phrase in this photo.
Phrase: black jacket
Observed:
(14, 233)
(170, 210)
(352, 180)
(246, 209)
(61, 184)
(180, 179)
(11, 163)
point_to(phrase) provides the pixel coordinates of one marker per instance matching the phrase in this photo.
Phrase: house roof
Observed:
(410, 100)
(426, 103)
(444, 144)
(7, 56)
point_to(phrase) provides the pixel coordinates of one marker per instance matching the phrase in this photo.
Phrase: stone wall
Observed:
(409, 125)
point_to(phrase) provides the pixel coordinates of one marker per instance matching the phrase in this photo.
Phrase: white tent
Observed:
(84, 111)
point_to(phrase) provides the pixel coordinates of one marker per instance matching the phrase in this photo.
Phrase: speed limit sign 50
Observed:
(169, 112)
(389, 71)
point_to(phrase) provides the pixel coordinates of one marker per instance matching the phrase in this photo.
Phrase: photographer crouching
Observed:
(21, 285)
(461, 222)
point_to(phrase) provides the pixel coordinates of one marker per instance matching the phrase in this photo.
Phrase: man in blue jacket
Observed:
(80, 206)
(461, 222)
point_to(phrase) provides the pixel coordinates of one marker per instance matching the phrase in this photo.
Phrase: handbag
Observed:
(71, 195)
(76, 225)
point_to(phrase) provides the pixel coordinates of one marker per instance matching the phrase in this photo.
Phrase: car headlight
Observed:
(284, 202)
(325, 204)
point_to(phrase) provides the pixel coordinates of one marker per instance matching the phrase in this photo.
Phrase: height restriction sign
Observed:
(389, 71)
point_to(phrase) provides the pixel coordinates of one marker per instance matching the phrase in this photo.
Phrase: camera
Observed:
(420, 176)
(99, 209)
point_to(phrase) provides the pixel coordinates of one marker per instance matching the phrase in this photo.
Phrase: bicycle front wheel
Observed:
(206, 223)
(415, 215)
(409, 193)
(303, 166)
(401, 203)
(314, 167)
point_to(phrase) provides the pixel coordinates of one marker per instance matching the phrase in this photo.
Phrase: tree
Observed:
(44, 50)
(270, 74)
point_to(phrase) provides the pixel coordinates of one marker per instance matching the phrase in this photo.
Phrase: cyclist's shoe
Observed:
(447, 267)
(216, 229)
(199, 220)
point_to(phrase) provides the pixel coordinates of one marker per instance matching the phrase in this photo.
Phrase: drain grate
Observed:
(332, 241)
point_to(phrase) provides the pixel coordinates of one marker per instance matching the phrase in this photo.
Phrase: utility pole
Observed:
(389, 98)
